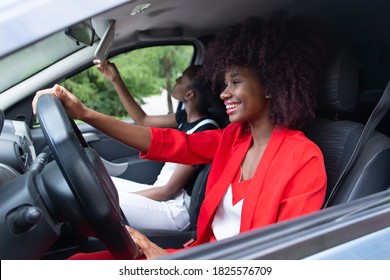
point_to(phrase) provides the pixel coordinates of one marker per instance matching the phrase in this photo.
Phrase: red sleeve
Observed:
(171, 145)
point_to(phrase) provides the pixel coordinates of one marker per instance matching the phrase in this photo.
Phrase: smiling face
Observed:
(244, 96)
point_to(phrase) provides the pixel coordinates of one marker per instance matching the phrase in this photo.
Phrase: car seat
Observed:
(337, 138)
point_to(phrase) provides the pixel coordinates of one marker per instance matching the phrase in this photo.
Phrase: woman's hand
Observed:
(107, 68)
(147, 248)
(74, 108)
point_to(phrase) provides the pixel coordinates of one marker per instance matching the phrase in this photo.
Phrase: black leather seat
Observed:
(337, 138)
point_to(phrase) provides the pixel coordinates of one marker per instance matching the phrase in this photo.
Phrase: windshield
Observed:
(34, 58)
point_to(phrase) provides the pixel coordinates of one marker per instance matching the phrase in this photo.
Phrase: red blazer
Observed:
(289, 181)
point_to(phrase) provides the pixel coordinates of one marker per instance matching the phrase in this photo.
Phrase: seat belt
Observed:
(206, 121)
(376, 116)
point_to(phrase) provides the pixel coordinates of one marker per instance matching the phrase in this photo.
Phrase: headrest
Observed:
(339, 90)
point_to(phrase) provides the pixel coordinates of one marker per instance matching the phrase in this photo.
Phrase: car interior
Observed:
(348, 176)
(45, 197)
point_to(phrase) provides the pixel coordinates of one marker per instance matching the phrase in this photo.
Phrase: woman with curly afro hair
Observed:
(287, 56)
(263, 169)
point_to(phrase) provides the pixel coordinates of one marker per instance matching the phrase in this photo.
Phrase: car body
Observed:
(353, 228)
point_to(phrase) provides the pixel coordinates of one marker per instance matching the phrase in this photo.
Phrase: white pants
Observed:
(145, 213)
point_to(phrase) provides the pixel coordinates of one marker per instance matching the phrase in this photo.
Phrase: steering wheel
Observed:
(90, 184)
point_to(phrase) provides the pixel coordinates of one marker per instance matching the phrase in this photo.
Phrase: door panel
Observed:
(121, 160)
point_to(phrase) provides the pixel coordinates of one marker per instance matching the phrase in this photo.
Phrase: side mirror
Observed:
(82, 32)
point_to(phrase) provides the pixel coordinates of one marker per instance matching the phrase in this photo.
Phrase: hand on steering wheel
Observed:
(90, 183)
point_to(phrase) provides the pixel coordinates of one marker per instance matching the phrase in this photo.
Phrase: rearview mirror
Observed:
(82, 32)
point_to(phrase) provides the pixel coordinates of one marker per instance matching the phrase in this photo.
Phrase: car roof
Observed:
(145, 20)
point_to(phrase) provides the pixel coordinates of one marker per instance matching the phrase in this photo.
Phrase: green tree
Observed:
(173, 61)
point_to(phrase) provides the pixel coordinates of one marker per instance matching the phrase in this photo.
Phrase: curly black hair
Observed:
(288, 54)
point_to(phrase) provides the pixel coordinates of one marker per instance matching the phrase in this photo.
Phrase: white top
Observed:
(227, 219)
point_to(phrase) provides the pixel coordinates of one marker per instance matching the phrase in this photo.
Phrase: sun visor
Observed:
(104, 46)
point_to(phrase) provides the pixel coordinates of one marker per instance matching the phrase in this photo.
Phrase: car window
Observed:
(149, 74)
(35, 58)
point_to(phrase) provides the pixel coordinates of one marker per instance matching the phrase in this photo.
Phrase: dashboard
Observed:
(17, 152)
